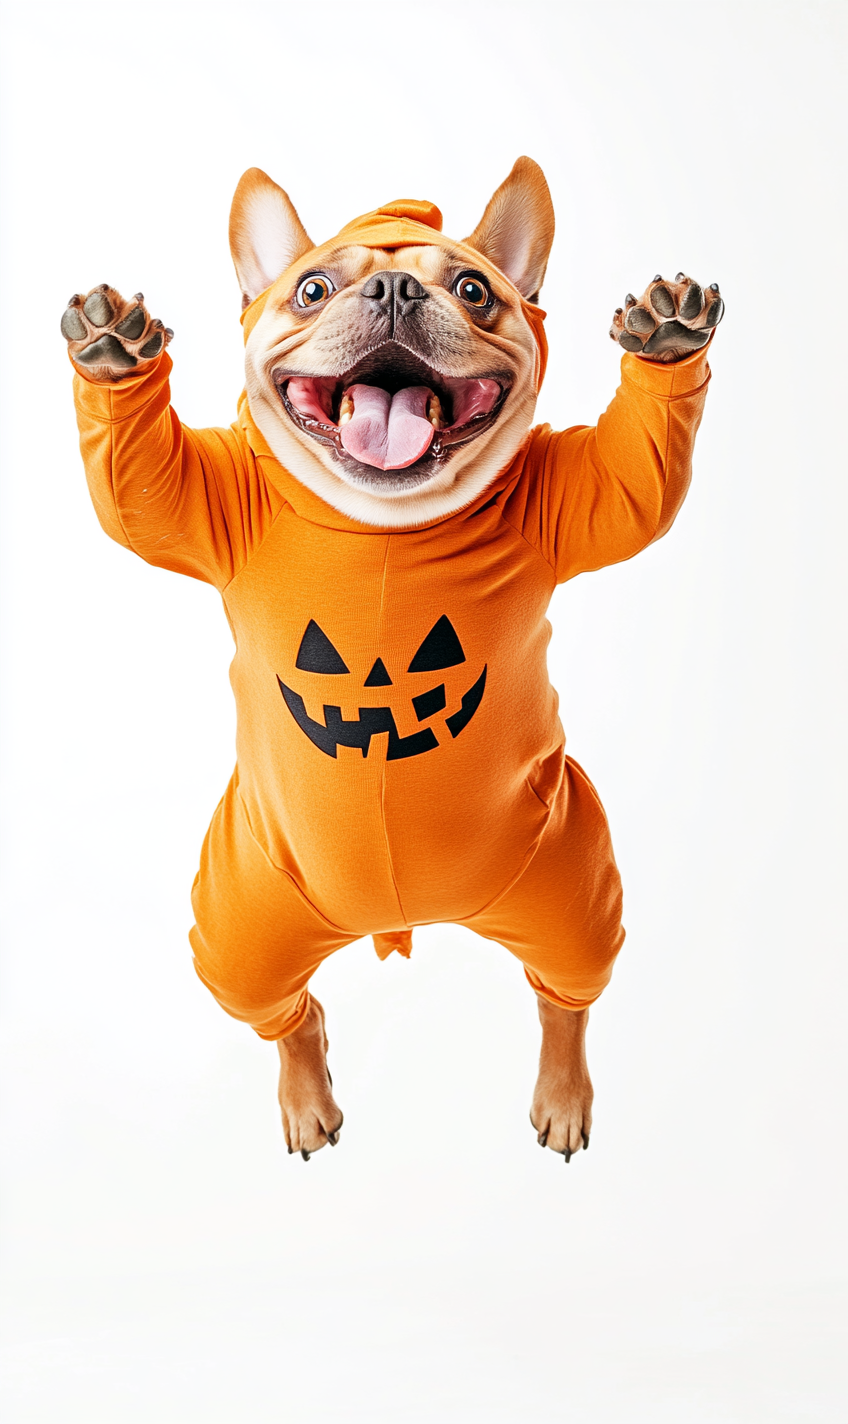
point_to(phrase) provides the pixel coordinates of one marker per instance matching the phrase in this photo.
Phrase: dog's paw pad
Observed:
(133, 325)
(73, 326)
(673, 336)
(692, 302)
(108, 351)
(639, 320)
(98, 309)
(152, 347)
(662, 301)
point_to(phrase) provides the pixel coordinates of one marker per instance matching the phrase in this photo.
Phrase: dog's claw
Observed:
(333, 1137)
(304, 1154)
(542, 1139)
(713, 286)
(585, 1136)
(567, 1155)
(658, 277)
(139, 297)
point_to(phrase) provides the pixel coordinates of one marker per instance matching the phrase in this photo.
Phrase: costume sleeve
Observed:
(194, 501)
(594, 495)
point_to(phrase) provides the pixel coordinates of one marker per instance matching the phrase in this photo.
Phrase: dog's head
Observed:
(393, 371)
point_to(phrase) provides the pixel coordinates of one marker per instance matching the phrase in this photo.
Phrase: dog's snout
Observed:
(394, 293)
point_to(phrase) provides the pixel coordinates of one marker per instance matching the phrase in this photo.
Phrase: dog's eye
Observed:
(473, 291)
(314, 289)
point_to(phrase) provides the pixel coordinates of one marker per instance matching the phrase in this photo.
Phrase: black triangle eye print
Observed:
(440, 649)
(378, 676)
(317, 654)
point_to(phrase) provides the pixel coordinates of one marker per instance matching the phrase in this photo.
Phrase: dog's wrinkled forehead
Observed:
(408, 223)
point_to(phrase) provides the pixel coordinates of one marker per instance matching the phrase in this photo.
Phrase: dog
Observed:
(386, 529)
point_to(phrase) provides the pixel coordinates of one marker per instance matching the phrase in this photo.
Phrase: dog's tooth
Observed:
(434, 412)
(345, 410)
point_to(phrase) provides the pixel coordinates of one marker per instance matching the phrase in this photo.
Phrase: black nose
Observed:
(393, 293)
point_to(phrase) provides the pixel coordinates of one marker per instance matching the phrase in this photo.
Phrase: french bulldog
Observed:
(394, 379)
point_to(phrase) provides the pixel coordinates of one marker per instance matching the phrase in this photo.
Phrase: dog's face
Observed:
(393, 382)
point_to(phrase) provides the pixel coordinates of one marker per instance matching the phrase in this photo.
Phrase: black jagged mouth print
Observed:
(334, 732)
(440, 649)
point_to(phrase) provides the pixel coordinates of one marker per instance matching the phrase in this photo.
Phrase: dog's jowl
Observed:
(386, 530)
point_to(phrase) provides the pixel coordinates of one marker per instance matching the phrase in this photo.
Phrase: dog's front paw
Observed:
(111, 337)
(670, 319)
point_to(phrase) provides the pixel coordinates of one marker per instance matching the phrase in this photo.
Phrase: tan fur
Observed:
(311, 1116)
(562, 1101)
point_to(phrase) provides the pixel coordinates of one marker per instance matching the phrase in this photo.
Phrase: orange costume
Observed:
(400, 757)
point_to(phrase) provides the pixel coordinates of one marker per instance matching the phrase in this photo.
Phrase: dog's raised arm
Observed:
(193, 501)
(597, 495)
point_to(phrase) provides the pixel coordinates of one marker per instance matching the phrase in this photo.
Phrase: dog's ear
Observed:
(266, 234)
(517, 228)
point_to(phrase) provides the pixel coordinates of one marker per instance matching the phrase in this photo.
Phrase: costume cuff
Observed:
(670, 380)
(115, 400)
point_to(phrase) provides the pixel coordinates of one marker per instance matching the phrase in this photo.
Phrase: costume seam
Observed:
(528, 858)
(253, 553)
(118, 516)
(289, 877)
(509, 524)
(385, 828)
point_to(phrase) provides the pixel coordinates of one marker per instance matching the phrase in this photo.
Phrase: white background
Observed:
(165, 1261)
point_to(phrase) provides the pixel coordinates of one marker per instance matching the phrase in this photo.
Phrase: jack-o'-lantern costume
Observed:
(400, 757)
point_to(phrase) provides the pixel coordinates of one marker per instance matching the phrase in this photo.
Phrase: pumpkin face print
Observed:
(440, 649)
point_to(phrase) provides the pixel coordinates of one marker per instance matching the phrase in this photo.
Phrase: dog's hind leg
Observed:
(311, 1115)
(257, 943)
(562, 919)
(562, 1101)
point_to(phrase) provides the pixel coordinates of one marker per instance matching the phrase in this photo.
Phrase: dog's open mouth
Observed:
(392, 410)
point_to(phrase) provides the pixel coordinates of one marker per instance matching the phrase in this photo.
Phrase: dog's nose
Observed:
(394, 292)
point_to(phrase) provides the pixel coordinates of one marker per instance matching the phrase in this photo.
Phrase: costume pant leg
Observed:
(257, 941)
(562, 917)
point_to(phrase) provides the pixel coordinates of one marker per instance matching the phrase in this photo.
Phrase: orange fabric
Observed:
(257, 940)
(488, 824)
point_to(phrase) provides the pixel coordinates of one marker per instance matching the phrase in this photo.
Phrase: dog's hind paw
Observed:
(670, 320)
(110, 337)
(311, 1115)
(562, 1100)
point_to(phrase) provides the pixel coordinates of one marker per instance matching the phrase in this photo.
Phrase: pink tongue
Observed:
(389, 432)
